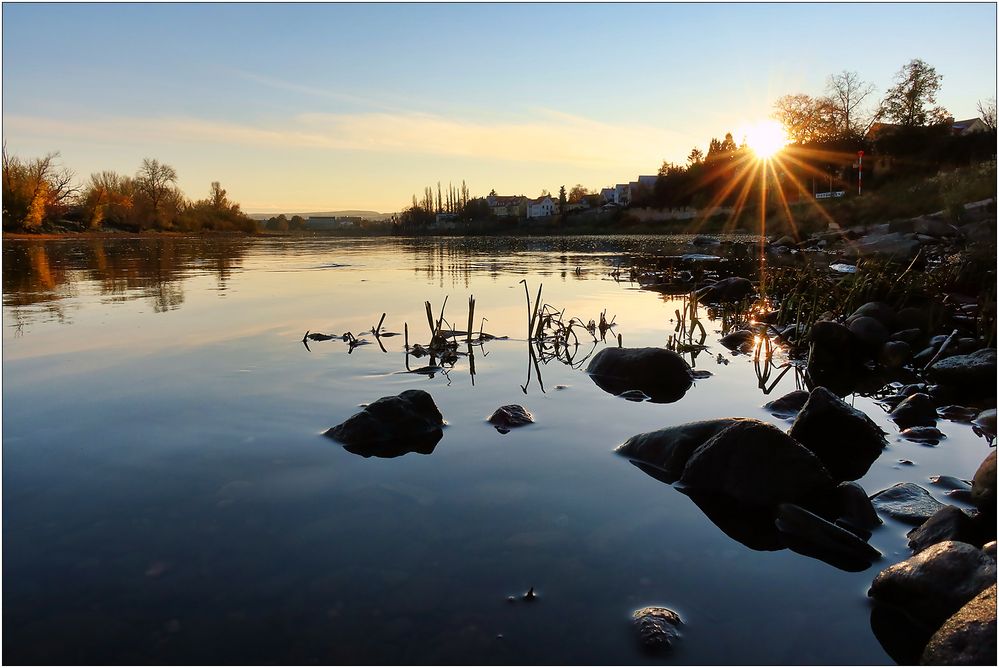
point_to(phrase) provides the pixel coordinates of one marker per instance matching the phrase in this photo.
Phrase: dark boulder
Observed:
(842, 437)
(948, 523)
(661, 374)
(972, 375)
(968, 637)
(869, 332)
(657, 627)
(730, 289)
(757, 464)
(894, 354)
(880, 311)
(983, 485)
(853, 508)
(742, 339)
(788, 405)
(985, 423)
(917, 410)
(934, 584)
(505, 418)
(392, 426)
(807, 533)
(924, 435)
(669, 449)
(906, 502)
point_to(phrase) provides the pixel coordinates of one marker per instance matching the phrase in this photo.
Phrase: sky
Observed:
(316, 107)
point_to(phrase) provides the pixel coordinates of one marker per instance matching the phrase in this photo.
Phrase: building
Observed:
(326, 223)
(541, 207)
(607, 195)
(622, 194)
(507, 206)
(968, 127)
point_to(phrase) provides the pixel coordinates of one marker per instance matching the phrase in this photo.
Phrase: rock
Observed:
(752, 526)
(954, 487)
(843, 438)
(704, 240)
(634, 395)
(986, 422)
(990, 549)
(948, 523)
(757, 464)
(916, 410)
(832, 335)
(894, 354)
(661, 374)
(786, 240)
(788, 405)
(854, 506)
(505, 418)
(729, 289)
(973, 374)
(906, 502)
(968, 637)
(956, 413)
(983, 485)
(934, 584)
(869, 332)
(880, 311)
(910, 336)
(824, 540)
(742, 339)
(911, 317)
(657, 627)
(896, 246)
(669, 449)
(926, 435)
(392, 426)
(925, 225)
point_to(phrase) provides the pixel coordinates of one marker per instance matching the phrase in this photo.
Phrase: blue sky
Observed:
(330, 106)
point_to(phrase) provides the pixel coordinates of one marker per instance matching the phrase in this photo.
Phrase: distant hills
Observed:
(367, 215)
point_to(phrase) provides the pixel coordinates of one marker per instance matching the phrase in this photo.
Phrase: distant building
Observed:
(326, 223)
(607, 195)
(622, 194)
(647, 181)
(541, 207)
(968, 127)
(507, 206)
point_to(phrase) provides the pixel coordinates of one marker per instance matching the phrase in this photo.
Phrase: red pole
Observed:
(860, 171)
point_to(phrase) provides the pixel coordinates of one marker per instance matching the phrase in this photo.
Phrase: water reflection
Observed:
(40, 276)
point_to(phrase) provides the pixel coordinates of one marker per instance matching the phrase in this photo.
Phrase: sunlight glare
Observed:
(766, 138)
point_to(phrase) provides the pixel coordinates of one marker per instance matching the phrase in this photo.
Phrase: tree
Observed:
(987, 112)
(108, 199)
(911, 101)
(695, 157)
(577, 193)
(847, 91)
(34, 191)
(155, 183)
(805, 119)
(561, 200)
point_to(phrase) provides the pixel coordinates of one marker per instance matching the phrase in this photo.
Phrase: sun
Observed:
(765, 138)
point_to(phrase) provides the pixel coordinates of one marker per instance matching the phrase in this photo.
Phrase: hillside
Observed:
(367, 215)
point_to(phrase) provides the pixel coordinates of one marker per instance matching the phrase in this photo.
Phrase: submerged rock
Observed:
(392, 426)
(661, 374)
(742, 339)
(916, 410)
(755, 463)
(729, 289)
(906, 502)
(817, 537)
(927, 435)
(937, 582)
(968, 637)
(788, 405)
(657, 627)
(669, 449)
(986, 422)
(507, 417)
(842, 437)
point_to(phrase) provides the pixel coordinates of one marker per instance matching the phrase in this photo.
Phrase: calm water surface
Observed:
(168, 496)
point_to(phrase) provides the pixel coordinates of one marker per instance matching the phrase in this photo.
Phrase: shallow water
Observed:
(168, 496)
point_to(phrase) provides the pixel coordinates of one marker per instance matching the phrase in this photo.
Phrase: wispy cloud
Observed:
(549, 137)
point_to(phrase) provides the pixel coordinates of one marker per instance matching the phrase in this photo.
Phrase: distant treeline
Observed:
(39, 195)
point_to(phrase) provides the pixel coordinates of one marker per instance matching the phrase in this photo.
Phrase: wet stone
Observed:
(948, 523)
(926, 435)
(788, 405)
(968, 637)
(507, 417)
(916, 410)
(656, 626)
(906, 502)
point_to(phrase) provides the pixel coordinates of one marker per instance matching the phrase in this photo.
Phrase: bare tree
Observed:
(846, 93)
(34, 190)
(910, 101)
(155, 181)
(987, 112)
